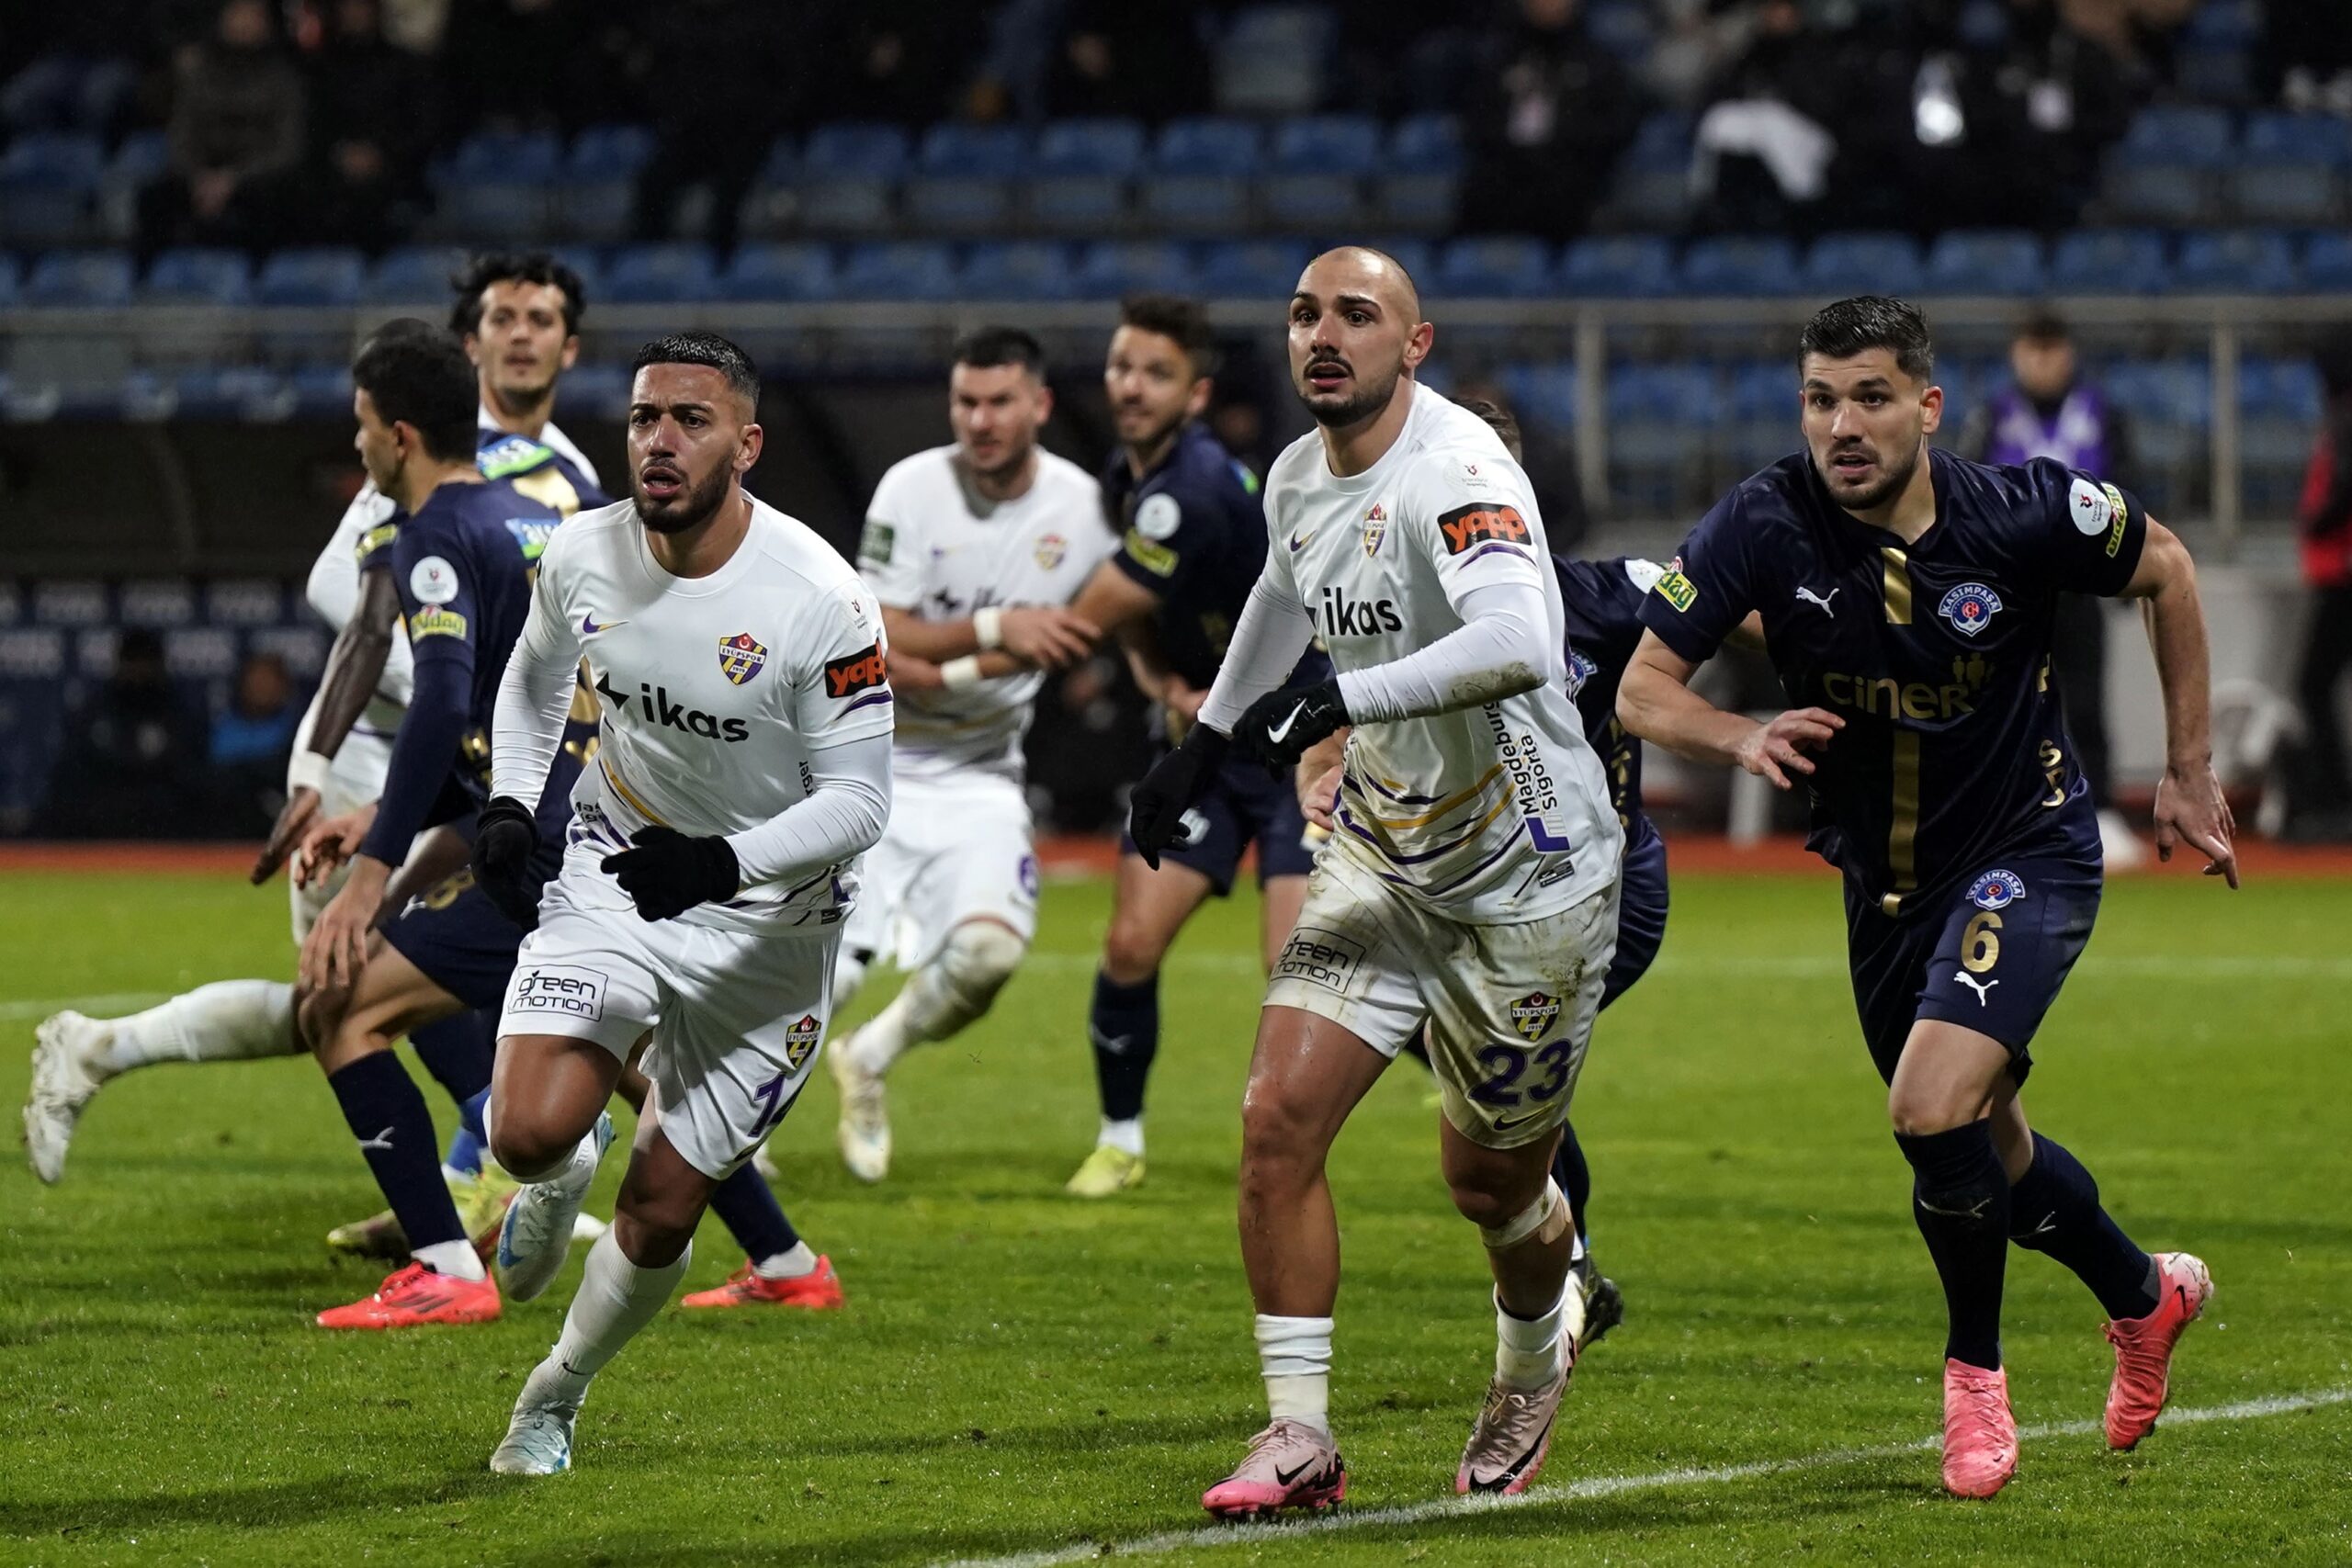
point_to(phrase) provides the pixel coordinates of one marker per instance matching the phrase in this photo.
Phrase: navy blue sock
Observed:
(469, 1142)
(2055, 1209)
(1123, 1025)
(747, 1207)
(1575, 1179)
(458, 1050)
(1959, 1196)
(387, 1114)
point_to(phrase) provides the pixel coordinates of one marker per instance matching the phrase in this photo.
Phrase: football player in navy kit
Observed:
(1906, 602)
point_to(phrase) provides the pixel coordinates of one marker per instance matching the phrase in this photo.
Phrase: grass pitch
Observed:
(1020, 1374)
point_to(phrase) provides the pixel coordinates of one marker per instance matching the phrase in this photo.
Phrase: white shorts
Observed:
(353, 778)
(737, 1016)
(956, 850)
(1510, 1008)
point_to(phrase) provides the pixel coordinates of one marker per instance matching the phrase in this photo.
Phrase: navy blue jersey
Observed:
(1935, 654)
(1194, 532)
(463, 564)
(1603, 600)
(539, 471)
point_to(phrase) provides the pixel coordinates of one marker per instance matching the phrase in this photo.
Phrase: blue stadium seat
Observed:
(1113, 147)
(979, 151)
(12, 281)
(608, 153)
(1109, 268)
(507, 157)
(514, 210)
(899, 270)
(2180, 135)
(2156, 191)
(1630, 266)
(596, 391)
(1326, 144)
(2278, 137)
(2167, 391)
(1508, 266)
(778, 272)
(48, 181)
(2296, 196)
(1623, 29)
(1311, 204)
(253, 393)
(1425, 144)
(325, 276)
(1195, 204)
(140, 159)
(1543, 396)
(1421, 204)
(185, 277)
(1026, 270)
(324, 391)
(2280, 388)
(413, 274)
(2327, 263)
(53, 158)
(1989, 261)
(1273, 59)
(958, 203)
(851, 149)
(662, 273)
(2110, 261)
(2224, 23)
(100, 279)
(156, 601)
(1253, 269)
(1669, 394)
(72, 604)
(246, 601)
(1760, 267)
(1843, 265)
(1075, 204)
(596, 198)
(2247, 261)
(1207, 146)
(1764, 389)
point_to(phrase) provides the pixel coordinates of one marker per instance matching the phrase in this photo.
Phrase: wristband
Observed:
(959, 674)
(308, 770)
(988, 627)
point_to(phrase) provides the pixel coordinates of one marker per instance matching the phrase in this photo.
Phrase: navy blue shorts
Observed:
(1991, 956)
(1244, 803)
(458, 940)
(1641, 909)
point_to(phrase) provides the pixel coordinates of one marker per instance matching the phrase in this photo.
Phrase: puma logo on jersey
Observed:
(1808, 595)
(1466, 527)
(1338, 615)
(1982, 987)
(657, 708)
(856, 672)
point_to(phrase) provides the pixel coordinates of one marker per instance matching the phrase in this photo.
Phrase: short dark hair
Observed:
(418, 374)
(1504, 423)
(2043, 324)
(1180, 320)
(708, 349)
(486, 267)
(1867, 321)
(986, 347)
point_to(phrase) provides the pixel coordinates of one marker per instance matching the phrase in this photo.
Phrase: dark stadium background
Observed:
(843, 185)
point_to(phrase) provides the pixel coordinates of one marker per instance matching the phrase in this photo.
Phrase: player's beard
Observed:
(1153, 439)
(690, 508)
(1878, 494)
(1368, 398)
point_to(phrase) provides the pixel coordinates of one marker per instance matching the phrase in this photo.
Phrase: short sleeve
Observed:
(844, 692)
(439, 599)
(1165, 541)
(2091, 532)
(1706, 591)
(375, 546)
(1476, 521)
(888, 558)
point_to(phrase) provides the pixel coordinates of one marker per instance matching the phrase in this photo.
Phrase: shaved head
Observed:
(1356, 334)
(1374, 272)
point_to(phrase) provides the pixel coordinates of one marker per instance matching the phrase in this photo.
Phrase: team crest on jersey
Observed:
(799, 1040)
(1581, 669)
(740, 656)
(1375, 528)
(1534, 1014)
(1049, 550)
(1970, 608)
(1996, 890)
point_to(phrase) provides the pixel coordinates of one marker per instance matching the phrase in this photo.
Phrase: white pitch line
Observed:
(110, 1001)
(1812, 966)
(1210, 1537)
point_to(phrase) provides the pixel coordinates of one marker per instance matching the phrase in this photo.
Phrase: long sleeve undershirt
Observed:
(423, 752)
(839, 819)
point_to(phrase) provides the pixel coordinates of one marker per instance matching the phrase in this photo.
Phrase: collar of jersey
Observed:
(641, 553)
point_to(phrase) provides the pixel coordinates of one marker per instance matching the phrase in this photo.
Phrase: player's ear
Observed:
(571, 353)
(474, 347)
(1417, 345)
(1045, 402)
(1931, 409)
(1197, 402)
(746, 448)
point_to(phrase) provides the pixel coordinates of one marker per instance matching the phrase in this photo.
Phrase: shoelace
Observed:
(1981, 1409)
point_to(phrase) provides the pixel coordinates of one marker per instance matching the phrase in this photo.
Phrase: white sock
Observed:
(229, 1020)
(792, 1265)
(951, 990)
(457, 1260)
(1529, 1351)
(616, 1298)
(1126, 1135)
(1294, 1353)
(1576, 1248)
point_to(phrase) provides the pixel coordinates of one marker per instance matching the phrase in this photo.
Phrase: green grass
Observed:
(1018, 1372)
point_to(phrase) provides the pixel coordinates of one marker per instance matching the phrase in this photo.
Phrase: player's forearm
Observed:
(526, 726)
(2175, 618)
(841, 818)
(908, 673)
(1500, 650)
(1654, 705)
(1274, 629)
(354, 667)
(430, 734)
(939, 641)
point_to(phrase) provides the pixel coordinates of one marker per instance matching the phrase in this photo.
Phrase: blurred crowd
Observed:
(293, 120)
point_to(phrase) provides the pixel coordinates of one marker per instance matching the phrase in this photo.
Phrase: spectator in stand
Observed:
(250, 740)
(2051, 411)
(2322, 800)
(1770, 133)
(902, 61)
(2039, 114)
(236, 130)
(721, 84)
(375, 120)
(1139, 58)
(133, 761)
(520, 65)
(2310, 55)
(1545, 126)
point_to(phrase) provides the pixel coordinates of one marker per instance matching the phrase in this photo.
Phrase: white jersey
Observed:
(938, 551)
(716, 693)
(1488, 814)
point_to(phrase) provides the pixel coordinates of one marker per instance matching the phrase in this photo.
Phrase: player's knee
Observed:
(529, 1146)
(1131, 953)
(317, 1015)
(1915, 1113)
(979, 957)
(1281, 1129)
(654, 1230)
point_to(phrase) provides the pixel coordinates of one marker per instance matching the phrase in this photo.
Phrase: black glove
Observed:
(1279, 727)
(668, 873)
(1156, 807)
(506, 835)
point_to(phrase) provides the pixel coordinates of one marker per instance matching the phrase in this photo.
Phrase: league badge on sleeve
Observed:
(740, 656)
(1996, 890)
(1970, 608)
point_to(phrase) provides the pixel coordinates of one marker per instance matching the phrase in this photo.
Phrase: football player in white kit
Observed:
(1471, 883)
(519, 318)
(745, 764)
(971, 547)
